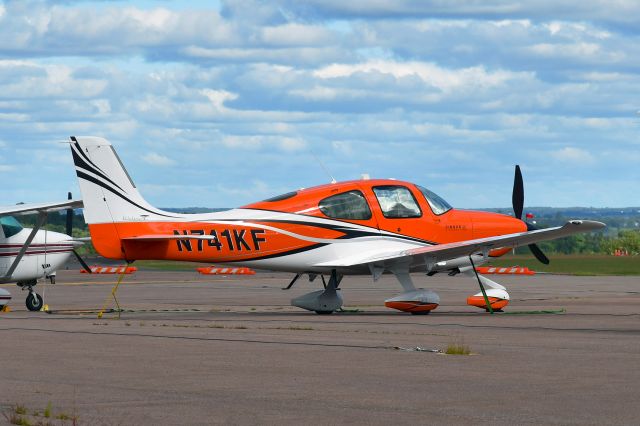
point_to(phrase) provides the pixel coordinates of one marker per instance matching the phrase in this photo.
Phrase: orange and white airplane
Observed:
(357, 227)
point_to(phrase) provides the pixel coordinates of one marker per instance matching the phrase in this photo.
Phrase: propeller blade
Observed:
(538, 254)
(517, 197)
(82, 262)
(69, 217)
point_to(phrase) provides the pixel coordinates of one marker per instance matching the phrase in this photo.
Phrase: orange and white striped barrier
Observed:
(214, 270)
(110, 269)
(513, 270)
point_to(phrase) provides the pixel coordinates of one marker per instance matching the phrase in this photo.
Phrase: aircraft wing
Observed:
(442, 252)
(25, 209)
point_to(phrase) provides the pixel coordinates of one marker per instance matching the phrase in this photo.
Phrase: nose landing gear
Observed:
(34, 301)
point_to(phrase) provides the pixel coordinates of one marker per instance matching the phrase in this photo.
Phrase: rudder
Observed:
(108, 193)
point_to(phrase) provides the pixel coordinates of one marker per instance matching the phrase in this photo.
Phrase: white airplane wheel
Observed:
(34, 301)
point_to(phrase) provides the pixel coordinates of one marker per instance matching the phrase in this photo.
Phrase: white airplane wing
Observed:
(24, 209)
(442, 252)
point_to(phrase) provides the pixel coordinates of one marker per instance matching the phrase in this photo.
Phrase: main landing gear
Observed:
(34, 301)
(322, 301)
(416, 301)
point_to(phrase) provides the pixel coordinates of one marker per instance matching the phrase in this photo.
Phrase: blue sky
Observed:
(221, 103)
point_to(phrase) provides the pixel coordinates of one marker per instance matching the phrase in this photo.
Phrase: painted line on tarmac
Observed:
(122, 311)
(127, 282)
(204, 339)
(628, 331)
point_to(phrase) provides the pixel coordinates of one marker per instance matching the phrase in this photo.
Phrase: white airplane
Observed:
(29, 254)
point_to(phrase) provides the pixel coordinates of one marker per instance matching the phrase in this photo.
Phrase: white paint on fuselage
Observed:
(47, 252)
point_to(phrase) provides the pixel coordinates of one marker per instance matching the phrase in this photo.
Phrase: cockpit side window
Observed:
(397, 202)
(438, 204)
(10, 226)
(348, 205)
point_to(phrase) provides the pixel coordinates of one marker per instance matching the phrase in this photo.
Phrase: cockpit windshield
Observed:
(10, 226)
(438, 204)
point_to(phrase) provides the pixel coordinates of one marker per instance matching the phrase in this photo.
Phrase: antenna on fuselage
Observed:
(333, 180)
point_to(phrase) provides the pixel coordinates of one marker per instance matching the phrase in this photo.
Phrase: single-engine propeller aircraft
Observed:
(28, 254)
(357, 227)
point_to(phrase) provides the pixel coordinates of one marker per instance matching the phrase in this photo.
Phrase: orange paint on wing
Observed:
(499, 252)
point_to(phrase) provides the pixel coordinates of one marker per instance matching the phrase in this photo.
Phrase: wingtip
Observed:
(590, 224)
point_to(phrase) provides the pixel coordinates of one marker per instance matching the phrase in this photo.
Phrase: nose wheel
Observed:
(34, 301)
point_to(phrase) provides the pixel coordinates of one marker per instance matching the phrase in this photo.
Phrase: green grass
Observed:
(457, 349)
(47, 410)
(168, 265)
(575, 264)
(16, 419)
(18, 415)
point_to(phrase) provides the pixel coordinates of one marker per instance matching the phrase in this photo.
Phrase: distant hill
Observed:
(577, 212)
(615, 218)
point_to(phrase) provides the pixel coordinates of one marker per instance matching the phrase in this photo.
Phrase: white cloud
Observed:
(243, 142)
(563, 49)
(343, 147)
(219, 97)
(396, 89)
(432, 74)
(573, 155)
(625, 12)
(254, 142)
(293, 34)
(292, 144)
(156, 159)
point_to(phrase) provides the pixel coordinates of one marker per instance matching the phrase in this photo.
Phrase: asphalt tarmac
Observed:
(192, 349)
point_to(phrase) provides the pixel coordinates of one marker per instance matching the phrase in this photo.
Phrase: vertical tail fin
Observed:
(108, 193)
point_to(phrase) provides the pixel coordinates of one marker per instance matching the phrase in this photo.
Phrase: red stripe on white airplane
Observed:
(34, 252)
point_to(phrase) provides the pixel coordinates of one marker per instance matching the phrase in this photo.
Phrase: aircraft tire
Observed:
(34, 302)
(324, 312)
